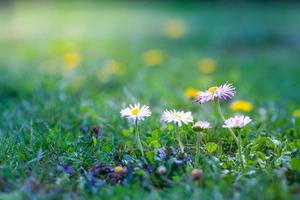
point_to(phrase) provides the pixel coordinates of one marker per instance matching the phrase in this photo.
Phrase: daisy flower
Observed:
(177, 117)
(237, 122)
(201, 125)
(136, 112)
(198, 127)
(225, 92)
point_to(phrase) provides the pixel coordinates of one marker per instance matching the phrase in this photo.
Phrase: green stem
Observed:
(240, 149)
(178, 138)
(237, 140)
(220, 110)
(223, 118)
(138, 140)
(197, 148)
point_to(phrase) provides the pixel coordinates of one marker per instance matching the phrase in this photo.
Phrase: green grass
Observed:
(47, 114)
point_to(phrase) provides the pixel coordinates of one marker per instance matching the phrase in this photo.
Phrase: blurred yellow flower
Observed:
(112, 67)
(241, 105)
(175, 29)
(191, 93)
(71, 60)
(153, 57)
(296, 113)
(207, 65)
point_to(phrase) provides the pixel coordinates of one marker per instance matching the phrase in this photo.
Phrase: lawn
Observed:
(67, 71)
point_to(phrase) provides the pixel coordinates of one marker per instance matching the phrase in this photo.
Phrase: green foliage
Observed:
(211, 147)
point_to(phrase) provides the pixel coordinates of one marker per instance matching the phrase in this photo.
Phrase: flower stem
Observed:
(138, 140)
(197, 148)
(178, 138)
(219, 109)
(223, 118)
(240, 148)
(237, 140)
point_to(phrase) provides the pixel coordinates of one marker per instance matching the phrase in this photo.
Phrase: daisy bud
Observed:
(162, 170)
(196, 174)
(120, 170)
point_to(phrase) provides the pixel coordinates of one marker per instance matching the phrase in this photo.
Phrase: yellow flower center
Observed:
(177, 116)
(213, 89)
(135, 111)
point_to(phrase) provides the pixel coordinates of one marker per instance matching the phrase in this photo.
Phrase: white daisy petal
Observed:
(237, 122)
(136, 112)
(225, 92)
(201, 125)
(205, 96)
(177, 117)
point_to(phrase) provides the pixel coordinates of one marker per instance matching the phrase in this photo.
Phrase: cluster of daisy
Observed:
(226, 91)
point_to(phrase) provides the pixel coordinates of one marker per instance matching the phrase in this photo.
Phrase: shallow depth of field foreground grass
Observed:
(67, 70)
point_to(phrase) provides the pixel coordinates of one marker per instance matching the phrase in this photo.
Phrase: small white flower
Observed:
(136, 112)
(237, 122)
(201, 125)
(224, 92)
(177, 117)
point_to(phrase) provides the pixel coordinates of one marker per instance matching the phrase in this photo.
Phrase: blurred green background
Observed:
(63, 57)
(91, 58)
(254, 46)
